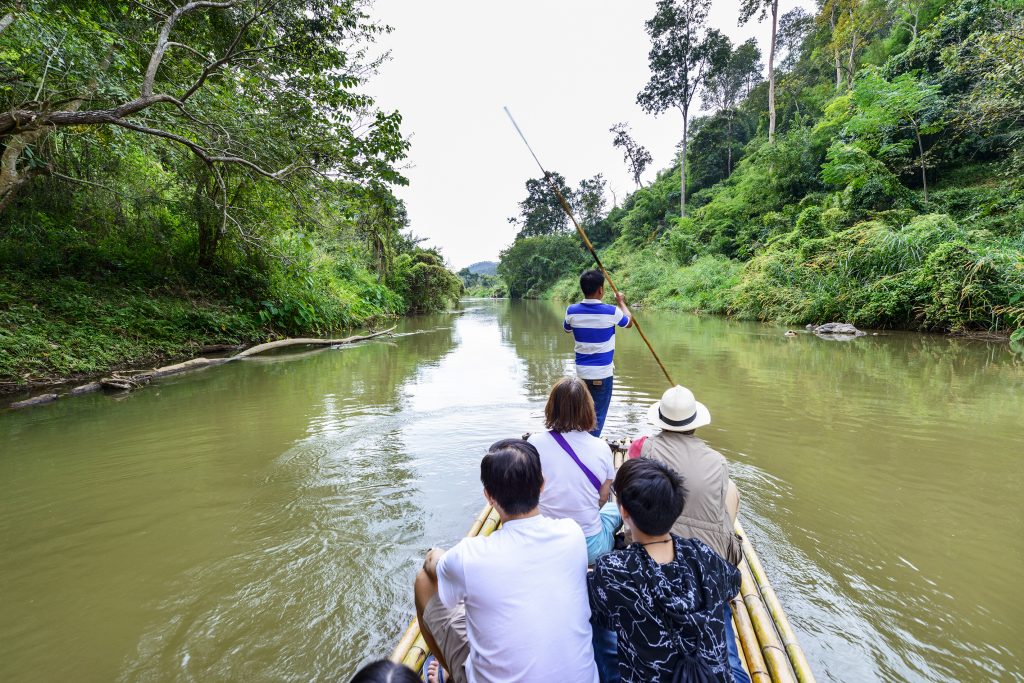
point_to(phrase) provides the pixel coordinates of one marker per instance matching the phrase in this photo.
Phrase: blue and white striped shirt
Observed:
(592, 324)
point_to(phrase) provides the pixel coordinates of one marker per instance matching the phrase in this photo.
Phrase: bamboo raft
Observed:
(768, 646)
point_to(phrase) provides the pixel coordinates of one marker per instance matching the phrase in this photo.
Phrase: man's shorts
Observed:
(448, 626)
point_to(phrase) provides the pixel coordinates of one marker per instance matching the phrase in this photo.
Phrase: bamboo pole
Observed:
(756, 666)
(479, 521)
(798, 660)
(590, 247)
(412, 632)
(771, 647)
(490, 524)
(417, 653)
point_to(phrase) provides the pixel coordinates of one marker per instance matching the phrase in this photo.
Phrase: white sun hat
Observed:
(678, 411)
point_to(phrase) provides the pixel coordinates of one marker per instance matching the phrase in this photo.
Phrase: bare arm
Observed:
(732, 500)
(620, 299)
(430, 562)
(605, 493)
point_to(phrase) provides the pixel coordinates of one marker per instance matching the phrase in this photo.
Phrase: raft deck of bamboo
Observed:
(768, 645)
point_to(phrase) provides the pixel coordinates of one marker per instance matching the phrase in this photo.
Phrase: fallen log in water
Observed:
(309, 342)
(120, 382)
(131, 380)
(36, 401)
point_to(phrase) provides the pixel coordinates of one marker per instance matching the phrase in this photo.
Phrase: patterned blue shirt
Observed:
(661, 610)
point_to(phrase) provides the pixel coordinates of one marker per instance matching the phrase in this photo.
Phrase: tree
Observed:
(531, 265)
(741, 71)
(794, 26)
(265, 88)
(883, 107)
(426, 285)
(908, 14)
(590, 201)
(683, 52)
(541, 213)
(992, 63)
(761, 8)
(635, 155)
(853, 23)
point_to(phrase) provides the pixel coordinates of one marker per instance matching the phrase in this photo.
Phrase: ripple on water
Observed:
(264, 520)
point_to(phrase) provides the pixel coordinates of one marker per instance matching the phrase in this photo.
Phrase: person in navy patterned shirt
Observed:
(592, 324)
(664, 596)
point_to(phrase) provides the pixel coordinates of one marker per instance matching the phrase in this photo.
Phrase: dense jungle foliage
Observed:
(174, 174)
(881, 185)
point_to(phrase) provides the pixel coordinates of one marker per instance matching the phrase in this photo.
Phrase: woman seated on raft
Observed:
(665, 596)
(577, 466)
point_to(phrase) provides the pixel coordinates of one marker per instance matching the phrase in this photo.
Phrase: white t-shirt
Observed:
(567, 490)
(527, 610)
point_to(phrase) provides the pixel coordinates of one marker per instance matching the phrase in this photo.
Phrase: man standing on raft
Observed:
(592, 323)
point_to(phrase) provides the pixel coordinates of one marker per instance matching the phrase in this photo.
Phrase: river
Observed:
(263, 520)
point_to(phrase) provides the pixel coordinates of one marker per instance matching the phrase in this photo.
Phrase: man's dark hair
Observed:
(384, 671)
(652, 493)
(591, 281)
(512, 476)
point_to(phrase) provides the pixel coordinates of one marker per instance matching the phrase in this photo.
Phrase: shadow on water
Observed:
(263, 520)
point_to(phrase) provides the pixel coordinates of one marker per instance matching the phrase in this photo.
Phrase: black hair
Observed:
(652, 493)
(511, 474)
(591, 281)
(384, 671)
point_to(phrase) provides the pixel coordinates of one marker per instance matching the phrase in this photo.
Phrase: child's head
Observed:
(383, 671)
(652, 493)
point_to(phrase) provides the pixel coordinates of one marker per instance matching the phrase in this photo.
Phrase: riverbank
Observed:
(58, 331)
(928, 274)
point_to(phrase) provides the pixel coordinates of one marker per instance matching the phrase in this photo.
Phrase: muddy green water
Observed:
(262, 521)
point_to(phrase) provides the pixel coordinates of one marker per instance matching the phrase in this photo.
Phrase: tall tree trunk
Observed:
(206, 222)
(682, 166)
(12, 178)
(835, 49)
(6, 20)
(920, 149)
(852, 67)
(771, 73)
(728, 164)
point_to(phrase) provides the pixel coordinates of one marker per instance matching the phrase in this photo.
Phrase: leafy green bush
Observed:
(929, 274)
(531, 265)
(424, 283)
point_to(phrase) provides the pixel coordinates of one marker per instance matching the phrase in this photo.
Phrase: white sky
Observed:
(567, 69)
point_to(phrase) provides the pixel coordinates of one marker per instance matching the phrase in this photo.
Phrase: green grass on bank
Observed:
(65, 328)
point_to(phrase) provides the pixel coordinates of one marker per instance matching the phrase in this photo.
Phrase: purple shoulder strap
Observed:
(560, 440)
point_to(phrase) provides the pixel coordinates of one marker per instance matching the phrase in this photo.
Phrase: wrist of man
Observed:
(430, 562)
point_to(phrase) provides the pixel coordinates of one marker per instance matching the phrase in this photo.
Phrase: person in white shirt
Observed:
(577, 466)
(511, 607)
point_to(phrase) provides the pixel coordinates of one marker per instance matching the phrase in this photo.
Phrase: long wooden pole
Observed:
(587, 243)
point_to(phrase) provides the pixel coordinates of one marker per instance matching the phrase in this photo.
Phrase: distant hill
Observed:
(483, 268)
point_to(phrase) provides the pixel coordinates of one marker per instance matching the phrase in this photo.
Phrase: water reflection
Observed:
(263, 520)
(231, 523)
